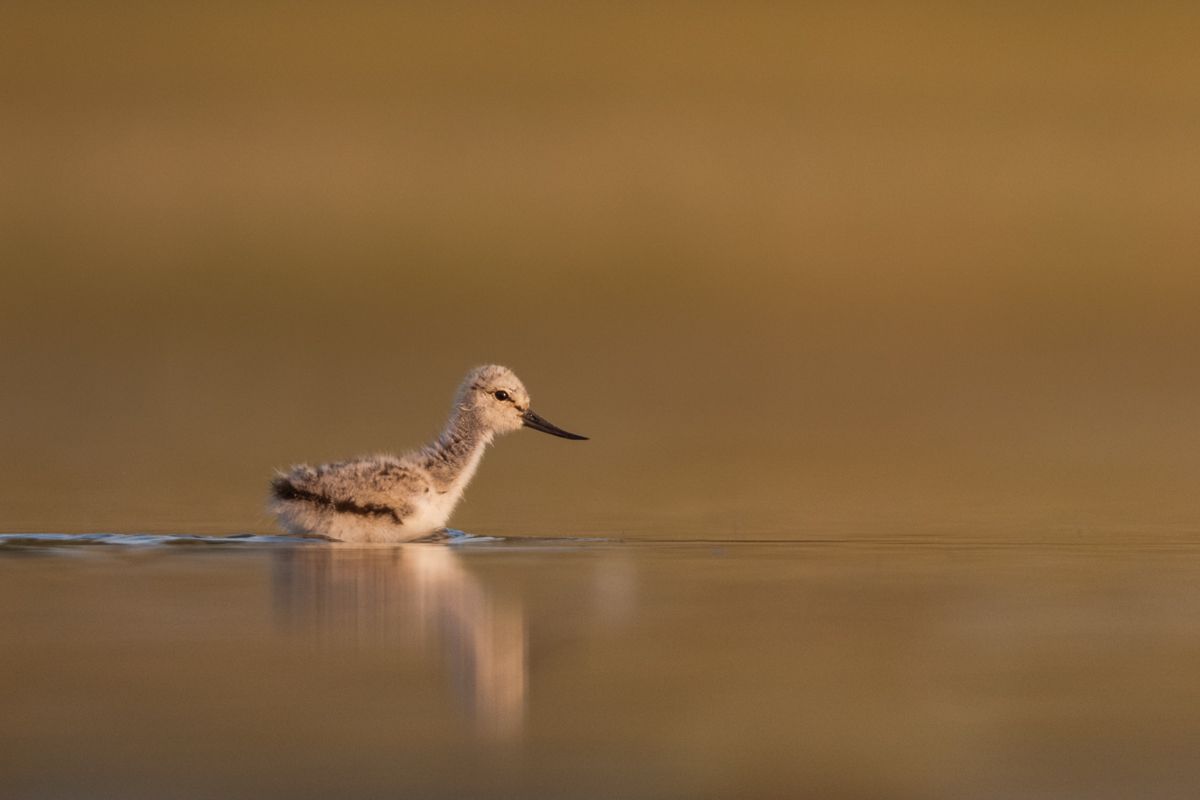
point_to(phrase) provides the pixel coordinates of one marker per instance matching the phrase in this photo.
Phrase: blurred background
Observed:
(823, 270)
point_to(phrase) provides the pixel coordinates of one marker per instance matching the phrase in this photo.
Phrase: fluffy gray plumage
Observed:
(386, 498)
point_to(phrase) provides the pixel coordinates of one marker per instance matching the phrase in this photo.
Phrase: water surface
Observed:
(526, 668)
(915, 283)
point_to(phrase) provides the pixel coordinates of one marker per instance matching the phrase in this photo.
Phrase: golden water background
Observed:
(762, 670)
(850, 270)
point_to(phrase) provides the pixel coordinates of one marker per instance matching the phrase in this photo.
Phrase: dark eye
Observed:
(502, 395)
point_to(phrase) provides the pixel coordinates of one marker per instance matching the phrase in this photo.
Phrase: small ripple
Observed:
(70, 541)
(142, 539)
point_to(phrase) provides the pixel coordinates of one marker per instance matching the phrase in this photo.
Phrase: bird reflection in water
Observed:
(423, 596)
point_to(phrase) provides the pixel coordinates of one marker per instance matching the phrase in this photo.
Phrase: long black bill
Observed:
(532, 420)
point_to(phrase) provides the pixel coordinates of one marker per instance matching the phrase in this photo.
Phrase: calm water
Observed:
(917, 280)
(918, 669)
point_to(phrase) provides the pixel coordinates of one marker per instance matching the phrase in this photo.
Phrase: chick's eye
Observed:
(501, 395)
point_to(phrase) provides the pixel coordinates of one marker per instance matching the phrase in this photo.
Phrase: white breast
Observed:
(432, 511)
